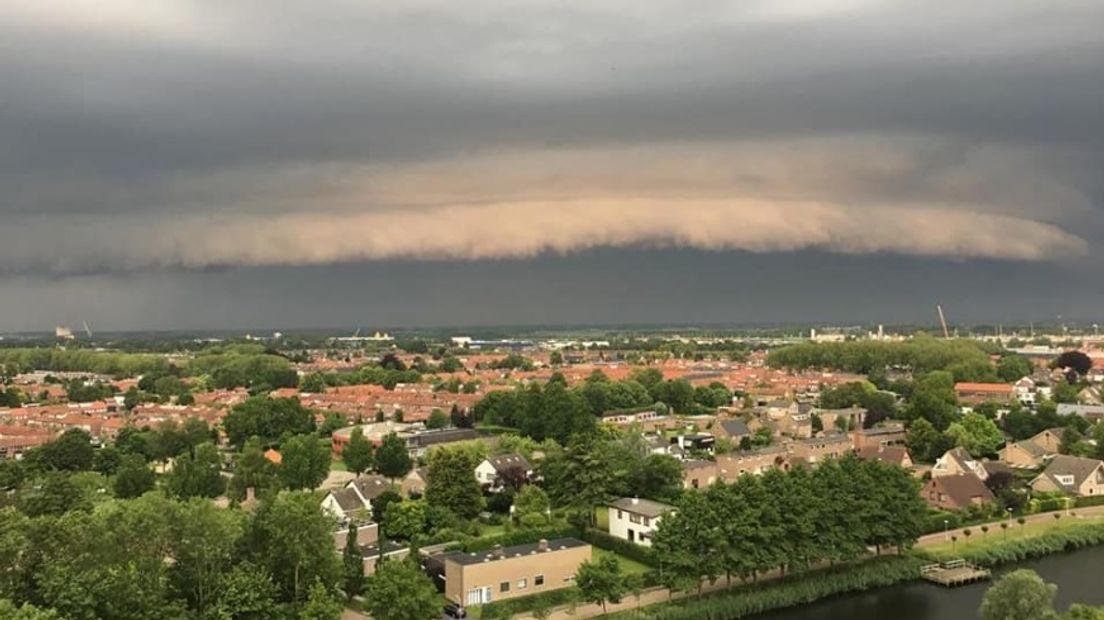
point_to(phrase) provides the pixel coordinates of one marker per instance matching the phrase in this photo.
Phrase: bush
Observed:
(799, 589)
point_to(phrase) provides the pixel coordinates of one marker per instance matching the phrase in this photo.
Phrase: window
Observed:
(634, 518)
(504, 586)
(538, 580)
(620, 515)
(522, 584)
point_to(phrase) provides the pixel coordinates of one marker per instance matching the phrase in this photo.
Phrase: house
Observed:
(1049, 439)
(369, 546)
(1092, 413)
(817, 449)
(752, 462)
(1024, 454)
(701, 442)
(956, 492)
(345, 505)
(356, 498)
(504, 573)
(977, 393)
(1073, 475)
(733, 429)
(894, 455)
(844, 420)
(635, 520)
(698, 474)
(889, 434)
(495, 472)
(958, 461)
(274, 456)
(414, 483)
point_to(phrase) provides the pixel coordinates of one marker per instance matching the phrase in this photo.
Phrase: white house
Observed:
(494, 470)
(636, 520)
(356, 498)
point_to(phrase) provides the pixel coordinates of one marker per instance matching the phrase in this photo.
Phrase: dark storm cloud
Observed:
(142, 136)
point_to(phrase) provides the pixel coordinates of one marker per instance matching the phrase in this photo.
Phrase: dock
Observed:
(954, 573)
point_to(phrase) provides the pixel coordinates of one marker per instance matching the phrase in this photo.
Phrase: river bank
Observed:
(1039, 536)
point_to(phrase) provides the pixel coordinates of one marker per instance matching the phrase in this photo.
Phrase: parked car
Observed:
(453, 610)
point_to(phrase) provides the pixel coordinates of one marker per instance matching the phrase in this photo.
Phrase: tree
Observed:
(106, 460)
(253, 471)
(305, 463)
(352, 564)
(321, 605)
(1019, 595)
(9, 611)
(1077, 361)
(934, 400)
(924, 442)
(400, 590)
(437, 419)
(133, 478)
(451, 482)
(357, 453)
(202, 541)
(392, 459)
(72, 451)
(531, 502)
(293, 540)
(313, 383)
(267, 418)
(690, 543)
(405, 519)
(382, 501)
(198, 474)
(579, 475)
(1012, 368)
(12, 474)
(977, 434)
(601, 581)
(246, 592)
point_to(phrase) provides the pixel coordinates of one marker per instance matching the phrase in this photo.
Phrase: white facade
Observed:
(635, 520)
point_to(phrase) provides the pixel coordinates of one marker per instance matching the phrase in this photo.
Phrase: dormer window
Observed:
(1064, 480)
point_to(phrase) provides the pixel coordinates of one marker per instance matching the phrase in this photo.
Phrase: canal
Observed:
(1077, 575)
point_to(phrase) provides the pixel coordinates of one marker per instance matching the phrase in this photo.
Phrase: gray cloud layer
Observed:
(193, 134)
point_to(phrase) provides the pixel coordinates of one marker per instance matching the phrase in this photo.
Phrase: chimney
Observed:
(635, 501)
(250, 495)
(496, 552)
(542, 546)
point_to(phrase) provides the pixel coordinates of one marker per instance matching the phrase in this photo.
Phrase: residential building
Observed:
(698, 474)
(636, 520)
(886, 435)
(816, 449)
(496, 471)
(504, 573)
(1024, 454)
(977, 393)
(957, 461)
(894, 455)
(956, 492)
(1073, 475)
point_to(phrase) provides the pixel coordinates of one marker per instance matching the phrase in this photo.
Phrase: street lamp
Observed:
(946, 525)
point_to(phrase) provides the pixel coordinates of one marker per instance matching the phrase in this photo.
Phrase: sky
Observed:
(193, 164)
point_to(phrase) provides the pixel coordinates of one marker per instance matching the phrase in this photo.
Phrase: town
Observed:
(428, 474)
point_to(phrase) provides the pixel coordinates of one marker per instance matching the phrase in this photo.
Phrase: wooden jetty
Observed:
(954, 573)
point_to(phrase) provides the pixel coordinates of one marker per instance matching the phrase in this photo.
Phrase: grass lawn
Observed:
(977, 540)
(628, 567)
(491, 530)
(338, 465)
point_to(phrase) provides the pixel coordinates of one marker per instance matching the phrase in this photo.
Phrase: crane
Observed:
(87, 329)
(942, 321)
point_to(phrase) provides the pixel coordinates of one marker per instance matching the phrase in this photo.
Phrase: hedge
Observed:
(800, 589)
(510, 607)
(639, 553)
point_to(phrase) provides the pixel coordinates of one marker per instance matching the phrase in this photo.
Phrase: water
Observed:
(1077, 575)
